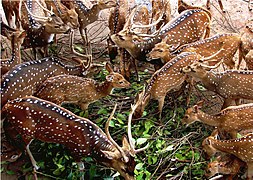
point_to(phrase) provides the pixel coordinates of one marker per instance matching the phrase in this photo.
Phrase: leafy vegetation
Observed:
(174, 151)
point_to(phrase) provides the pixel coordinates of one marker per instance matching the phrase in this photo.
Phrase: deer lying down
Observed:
(231, 84)
(230, 120)
(241, 148)
(67, 88)
(34, 118)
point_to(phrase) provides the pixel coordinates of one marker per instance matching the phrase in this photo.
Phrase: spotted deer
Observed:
(228, 165)
(241, 148)
(40, 28)
(68, 16)
(34, 118)
(232, 85)
(67, 88)
(176, 32)
(168, 78)
(16, 39)
(24, 79)
(247, 46)
(225, 44)
(116, 22)
(230, 120)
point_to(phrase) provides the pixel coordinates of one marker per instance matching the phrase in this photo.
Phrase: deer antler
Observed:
(132, 146)
(133, 25)
(45, 9)
(111, 139)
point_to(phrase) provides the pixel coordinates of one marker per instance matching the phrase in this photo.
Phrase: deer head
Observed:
(162, 51)
(191, 113)
(116, 79)
(105, 4)
(72, 17)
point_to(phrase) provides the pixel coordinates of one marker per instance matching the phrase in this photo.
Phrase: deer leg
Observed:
(221, 6)
(136, 69)
(34, 163)
(208, 4)
(34, 53)
(227, 102)
(81, 168)
(238, 101)
(160, 106)
(249, 5)
(207, 34)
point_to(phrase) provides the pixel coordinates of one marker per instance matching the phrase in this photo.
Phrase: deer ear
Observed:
(108, 154)
(195, 108)
(108, 68)
(125, 143)
(23, 34)
(200, 104)
(173, 47)
(109, 78)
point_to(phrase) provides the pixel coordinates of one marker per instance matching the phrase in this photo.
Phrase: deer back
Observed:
(24, 79)
(34, 118)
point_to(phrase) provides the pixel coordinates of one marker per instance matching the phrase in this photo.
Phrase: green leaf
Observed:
(170, 148)
(10, 172)
(102, 111)
(139, 166)
(140, 141)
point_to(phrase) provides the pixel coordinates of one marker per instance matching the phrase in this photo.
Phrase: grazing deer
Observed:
(168, 78)
(230, 120)
(226, 44)
(67, 88)
(24, 79)
(241, 148)
(228, 165)
(231, 84)
(247, 45)
(177, 32)
(16, 39)
(34, 118)
(40, 29)
(67, 15)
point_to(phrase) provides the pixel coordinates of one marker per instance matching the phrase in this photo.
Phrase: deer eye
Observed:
(160, 50)
(71, 17)
(186, 117)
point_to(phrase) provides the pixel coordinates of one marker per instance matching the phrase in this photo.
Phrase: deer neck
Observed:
(104, 88)
(210, 81)
(208, 119)
(39, 37)
(15, 52)
(58, 7)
